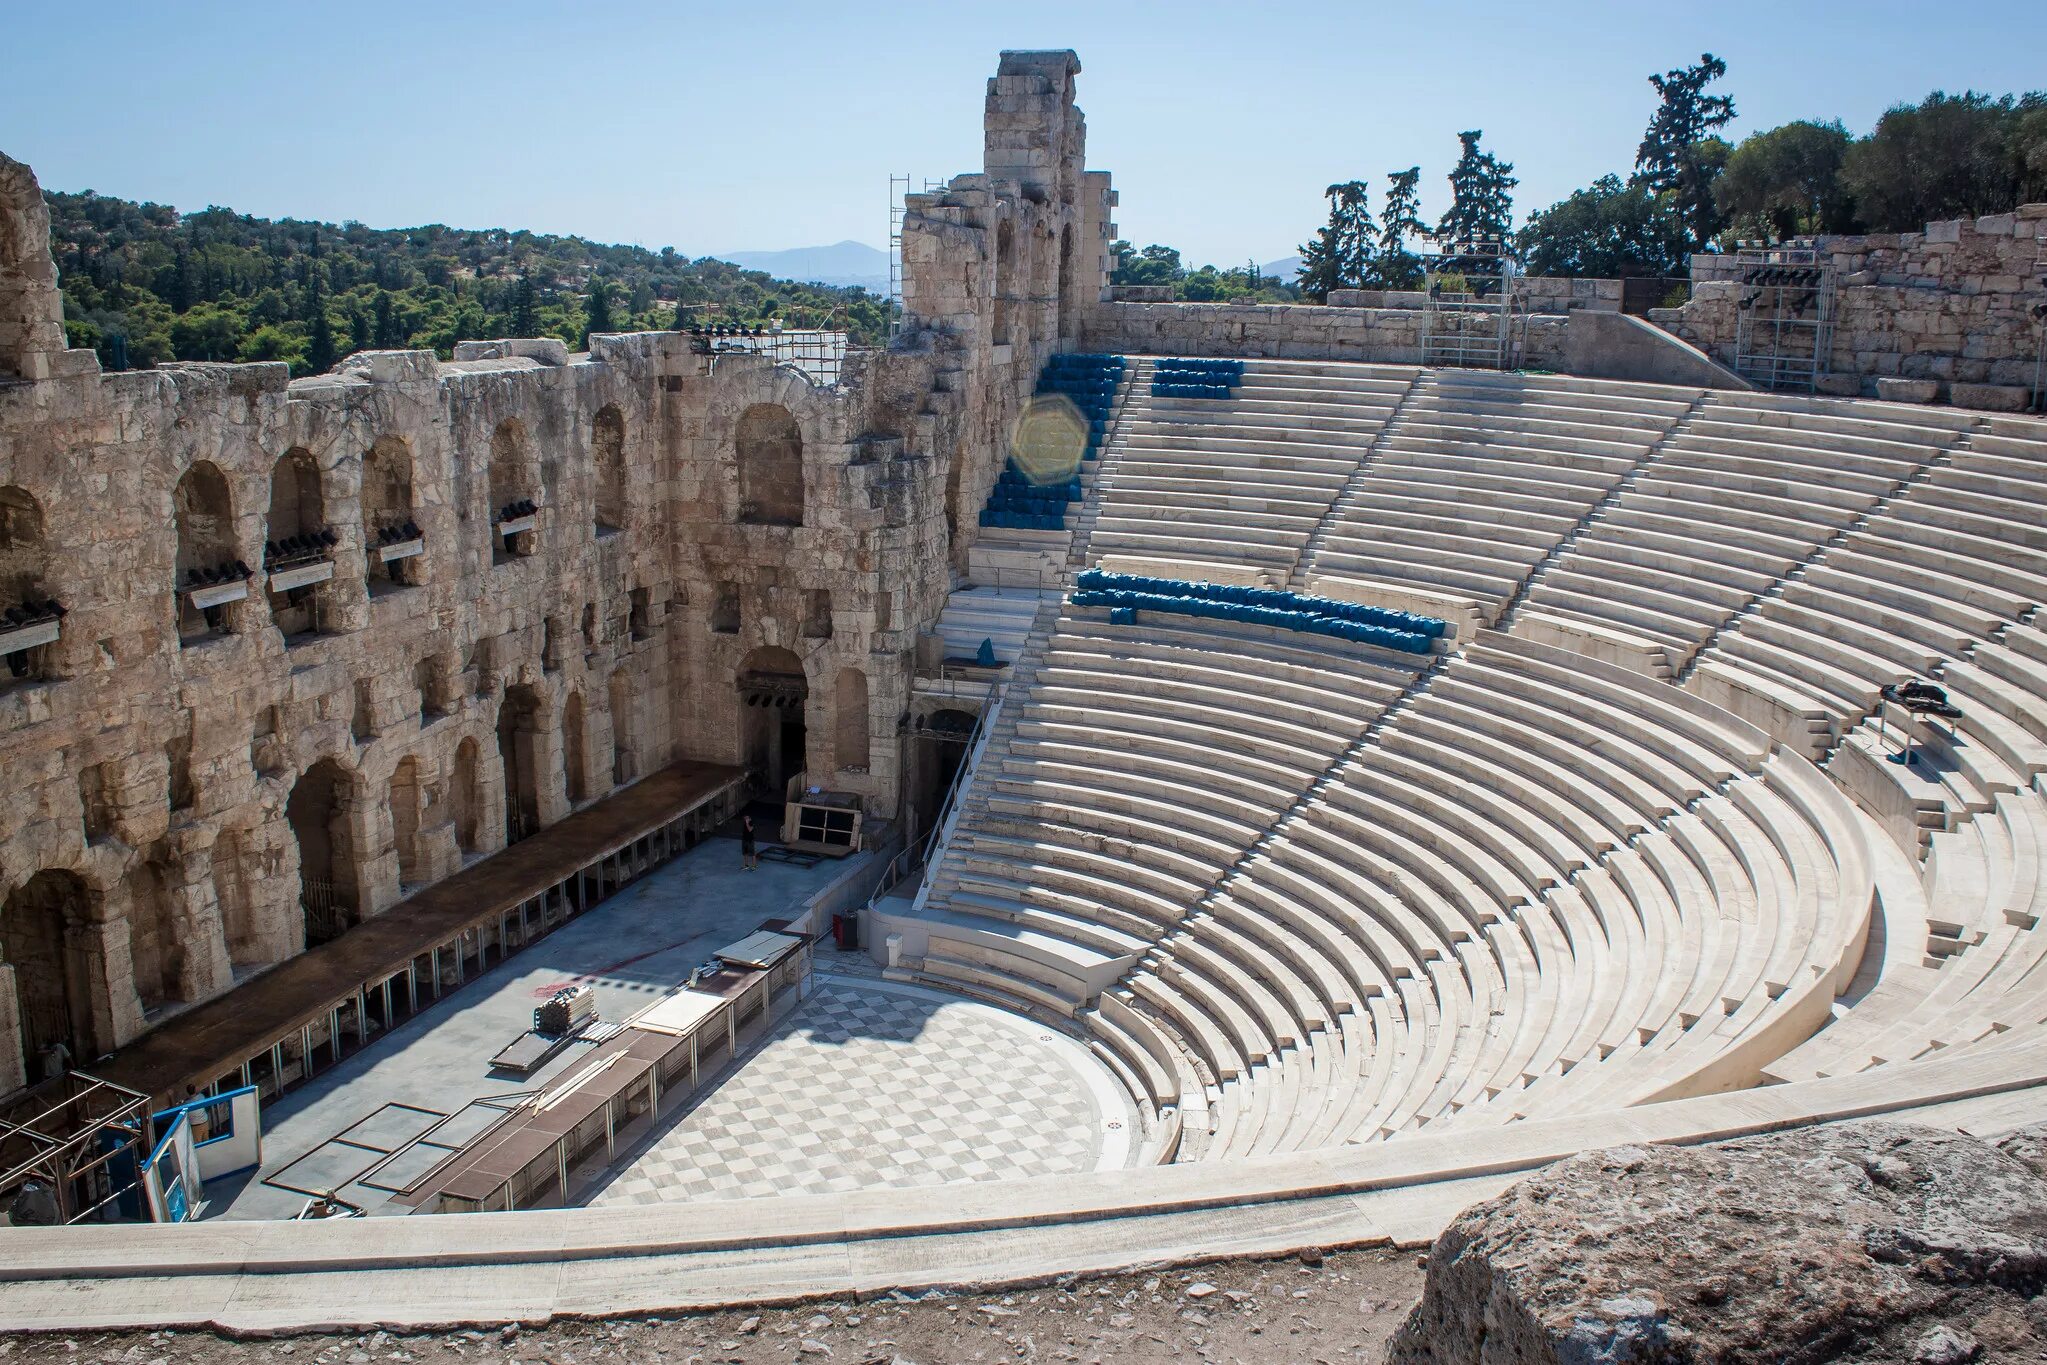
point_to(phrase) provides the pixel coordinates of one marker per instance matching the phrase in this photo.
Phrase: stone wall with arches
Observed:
(327, 639)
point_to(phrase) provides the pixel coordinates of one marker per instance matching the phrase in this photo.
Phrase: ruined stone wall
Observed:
(1000, 268)
(187, 776)
(1953, 304)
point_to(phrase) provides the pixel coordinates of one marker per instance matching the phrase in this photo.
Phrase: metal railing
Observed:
(922, 850)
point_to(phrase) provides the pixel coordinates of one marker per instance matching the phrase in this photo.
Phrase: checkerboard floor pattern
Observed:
(864, 1087)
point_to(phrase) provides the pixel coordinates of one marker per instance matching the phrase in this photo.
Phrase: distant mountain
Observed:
(845, 264)
(1284, 268)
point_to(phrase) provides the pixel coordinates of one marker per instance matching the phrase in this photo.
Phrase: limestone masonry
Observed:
(1376, 782)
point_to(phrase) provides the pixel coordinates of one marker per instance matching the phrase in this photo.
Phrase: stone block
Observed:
(1989, 397)
(1908, 390)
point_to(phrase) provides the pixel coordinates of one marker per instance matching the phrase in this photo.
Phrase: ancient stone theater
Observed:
(1097, 780)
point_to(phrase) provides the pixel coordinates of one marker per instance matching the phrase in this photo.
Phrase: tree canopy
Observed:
(1157, 264)
(1481, 194)
(144, 283)
(1679, 158)
(1787, 181)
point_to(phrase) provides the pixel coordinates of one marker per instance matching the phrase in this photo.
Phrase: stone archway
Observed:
(156, 958)
(387, 515)
(769, 446)
(207, 555)
(42, 940)
(773, 694)
(318, 812)
(298, 517)
(519, 717)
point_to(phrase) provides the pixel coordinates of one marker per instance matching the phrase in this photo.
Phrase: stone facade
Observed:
(1954, 304)
(614, 548)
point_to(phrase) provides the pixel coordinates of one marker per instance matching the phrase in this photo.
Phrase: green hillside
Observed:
(144, 283)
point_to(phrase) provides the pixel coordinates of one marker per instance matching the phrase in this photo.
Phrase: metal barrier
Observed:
(919, 851)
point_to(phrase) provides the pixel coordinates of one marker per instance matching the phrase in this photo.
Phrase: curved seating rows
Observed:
(1242, 483)
(1533, 879)
(1479, 477)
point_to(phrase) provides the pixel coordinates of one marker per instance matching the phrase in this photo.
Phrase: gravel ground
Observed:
(1312, 1308)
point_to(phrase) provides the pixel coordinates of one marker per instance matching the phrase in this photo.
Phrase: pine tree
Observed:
(359, 334)
(1679, 157)
(320, 349)
(1393, 265)
(388, 334)
(597, 309)
(1481, 194)
(525, 308)
(1340, 256)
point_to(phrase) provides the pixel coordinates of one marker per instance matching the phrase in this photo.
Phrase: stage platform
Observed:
(309, 1012)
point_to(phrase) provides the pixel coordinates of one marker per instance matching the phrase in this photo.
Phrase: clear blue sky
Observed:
(735, 126)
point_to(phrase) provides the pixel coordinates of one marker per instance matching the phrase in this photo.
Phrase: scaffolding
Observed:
(72, 1150)
(1784, 316)
(1469, 306)
(898, 210)
(820, 352)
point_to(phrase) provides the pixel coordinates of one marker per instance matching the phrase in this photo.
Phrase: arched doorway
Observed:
(41, 938)
(772, 695)
(317, 812)
(769, 446)
(466, 797)
(938, 749)
(518, 730)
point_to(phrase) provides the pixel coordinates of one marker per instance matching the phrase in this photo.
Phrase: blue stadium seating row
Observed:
(1196, 378)
(1021, 500)
(1276, 599)
(1115, 599)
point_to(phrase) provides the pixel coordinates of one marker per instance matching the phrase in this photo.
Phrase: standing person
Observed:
(747, 855)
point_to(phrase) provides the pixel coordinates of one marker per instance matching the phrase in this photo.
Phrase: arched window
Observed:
(208, 567)
(31, 614)
(769, 445)
(773, 694)
(1005, 280)
(850, 721)
(390, 535)
(155, 955)
(298, 546)
(514, 491)
(607, 469)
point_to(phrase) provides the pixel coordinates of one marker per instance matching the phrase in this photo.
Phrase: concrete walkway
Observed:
(631, 948)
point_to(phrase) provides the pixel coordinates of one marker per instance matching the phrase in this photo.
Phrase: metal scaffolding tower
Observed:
(1784, 316)
(898, 191)
(1469, 310)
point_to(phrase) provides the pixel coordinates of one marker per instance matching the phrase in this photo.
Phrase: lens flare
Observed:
(1049, 440)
